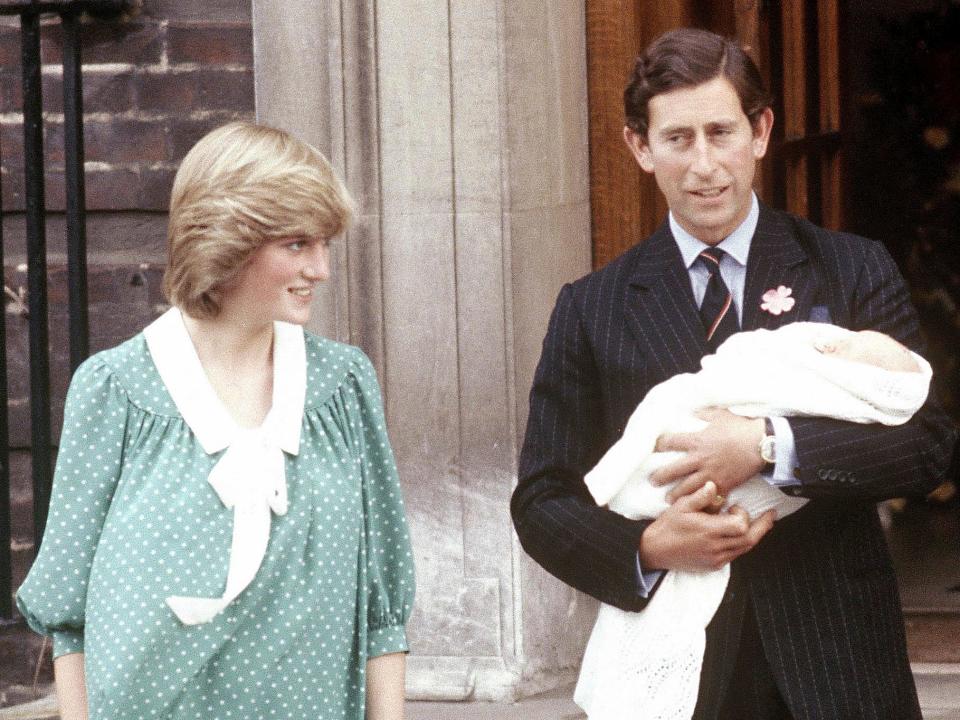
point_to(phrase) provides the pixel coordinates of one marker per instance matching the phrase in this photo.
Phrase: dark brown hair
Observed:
(686, 58)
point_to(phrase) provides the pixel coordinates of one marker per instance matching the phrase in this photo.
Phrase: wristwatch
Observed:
(768, 446)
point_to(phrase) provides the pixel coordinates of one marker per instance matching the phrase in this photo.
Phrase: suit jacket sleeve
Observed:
(559, 525)
(841, 459)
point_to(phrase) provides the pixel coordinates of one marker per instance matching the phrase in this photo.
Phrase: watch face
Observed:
(768, 449)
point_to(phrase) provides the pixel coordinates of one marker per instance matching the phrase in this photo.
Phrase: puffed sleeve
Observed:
(386, 553)
(53, 597)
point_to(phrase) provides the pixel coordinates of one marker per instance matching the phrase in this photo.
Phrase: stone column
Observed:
(461, 128)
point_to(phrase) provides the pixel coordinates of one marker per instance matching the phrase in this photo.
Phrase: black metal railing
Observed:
(71, 14)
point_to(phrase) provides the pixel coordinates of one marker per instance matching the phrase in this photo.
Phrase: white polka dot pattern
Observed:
(133, 521)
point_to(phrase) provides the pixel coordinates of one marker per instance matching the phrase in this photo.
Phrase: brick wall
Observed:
(153, 85)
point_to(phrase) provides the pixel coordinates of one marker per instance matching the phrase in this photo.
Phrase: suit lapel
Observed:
(660, 309)
(662, 314)
(776, 258)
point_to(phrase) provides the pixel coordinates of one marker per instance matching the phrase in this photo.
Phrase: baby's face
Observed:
(872, 348)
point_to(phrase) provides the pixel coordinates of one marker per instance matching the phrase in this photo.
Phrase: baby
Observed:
(872, 348)
(811, 369)
(652, 659)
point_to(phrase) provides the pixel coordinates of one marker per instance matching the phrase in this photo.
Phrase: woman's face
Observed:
(277, 282)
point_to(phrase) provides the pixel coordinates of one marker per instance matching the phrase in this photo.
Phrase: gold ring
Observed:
(719, 500)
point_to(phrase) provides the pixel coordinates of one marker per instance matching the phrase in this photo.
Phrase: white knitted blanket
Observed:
(646, 665)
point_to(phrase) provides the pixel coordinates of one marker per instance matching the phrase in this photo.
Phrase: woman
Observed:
(226, 535)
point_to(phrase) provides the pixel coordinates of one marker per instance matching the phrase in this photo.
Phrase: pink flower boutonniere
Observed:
(777, 300)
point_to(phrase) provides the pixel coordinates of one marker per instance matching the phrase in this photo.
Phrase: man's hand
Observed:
(688, 535)
(726, 452)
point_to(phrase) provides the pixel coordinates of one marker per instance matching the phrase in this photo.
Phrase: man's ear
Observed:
(761, 132)
(638, 146)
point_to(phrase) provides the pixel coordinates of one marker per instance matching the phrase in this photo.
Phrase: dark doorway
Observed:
(903, 164)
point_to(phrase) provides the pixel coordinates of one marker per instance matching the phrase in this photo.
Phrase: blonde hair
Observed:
(240, 186)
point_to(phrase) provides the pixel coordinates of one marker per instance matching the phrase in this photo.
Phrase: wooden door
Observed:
(803, 68)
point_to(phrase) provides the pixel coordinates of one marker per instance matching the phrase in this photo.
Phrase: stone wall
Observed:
(461, 129)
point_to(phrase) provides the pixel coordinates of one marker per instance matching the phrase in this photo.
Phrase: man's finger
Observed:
(692, 485)
(761, 526)
(700, 500)
(735, 545)
(739, 512)
(686, 486)
(679, 468)
(717, 505)
(680, 442)
(710, 414)
(737, 522)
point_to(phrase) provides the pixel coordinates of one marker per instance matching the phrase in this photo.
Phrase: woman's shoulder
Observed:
(130, 369)
(331, 364)
(112, 362)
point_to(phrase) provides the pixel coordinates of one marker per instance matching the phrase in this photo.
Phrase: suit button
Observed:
(822, 474)
(832, 474)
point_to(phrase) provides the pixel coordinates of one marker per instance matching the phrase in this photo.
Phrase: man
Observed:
(811, 625)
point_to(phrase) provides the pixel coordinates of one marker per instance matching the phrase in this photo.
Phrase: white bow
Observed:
(250, 479)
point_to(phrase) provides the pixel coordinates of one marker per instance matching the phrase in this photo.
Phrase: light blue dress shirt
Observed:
(733, 270)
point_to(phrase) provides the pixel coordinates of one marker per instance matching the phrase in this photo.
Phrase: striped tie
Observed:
(717, 313)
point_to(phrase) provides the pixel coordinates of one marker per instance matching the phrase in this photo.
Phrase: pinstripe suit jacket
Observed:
(821, 582)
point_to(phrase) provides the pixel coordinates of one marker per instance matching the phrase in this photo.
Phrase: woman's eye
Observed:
(295, 246)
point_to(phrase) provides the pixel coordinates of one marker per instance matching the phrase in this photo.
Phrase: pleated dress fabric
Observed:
(134, 521)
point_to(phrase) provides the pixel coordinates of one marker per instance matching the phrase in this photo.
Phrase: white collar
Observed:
(250, 477)
(736, 244)
(179, 366)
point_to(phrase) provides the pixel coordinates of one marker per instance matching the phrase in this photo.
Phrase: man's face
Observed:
(703, 152)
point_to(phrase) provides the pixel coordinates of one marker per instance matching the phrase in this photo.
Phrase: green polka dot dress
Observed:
(133, 521)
